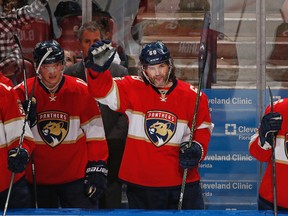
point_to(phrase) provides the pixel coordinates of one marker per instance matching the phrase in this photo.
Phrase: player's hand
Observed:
(100, 56)
(270, 125)
(189, 157)
(95, 181)
(32, 116)
(18, 158)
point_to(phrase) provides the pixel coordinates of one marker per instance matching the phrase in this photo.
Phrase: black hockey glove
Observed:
(17, 161)
(32, 117)
(190, 156)
(100, 56)
(95, 181)
(270, 125)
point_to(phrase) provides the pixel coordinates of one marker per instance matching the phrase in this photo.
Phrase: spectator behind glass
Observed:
(115, 124)
(10, 24)
(66, 9)
(69, 58)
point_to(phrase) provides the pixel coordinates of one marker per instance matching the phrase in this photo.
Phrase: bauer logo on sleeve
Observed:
(160, 126)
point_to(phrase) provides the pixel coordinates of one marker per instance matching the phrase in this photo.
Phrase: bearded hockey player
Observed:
(71, 150)
(160, 109)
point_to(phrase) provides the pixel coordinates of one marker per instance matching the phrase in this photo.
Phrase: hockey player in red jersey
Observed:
(160, 109)
(71, 150)
(271, 130)
(12, 157)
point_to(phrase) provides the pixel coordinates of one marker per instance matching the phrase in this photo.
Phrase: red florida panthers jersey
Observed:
(281, 159)
(69, 131)
(11, 127)
(157, 126)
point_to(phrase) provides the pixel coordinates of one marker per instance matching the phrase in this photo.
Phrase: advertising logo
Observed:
(230, 129)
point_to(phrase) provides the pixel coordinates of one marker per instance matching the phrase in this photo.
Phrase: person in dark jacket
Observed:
(115, 124)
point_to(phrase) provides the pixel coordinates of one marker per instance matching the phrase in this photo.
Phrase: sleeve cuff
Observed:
(266, 145)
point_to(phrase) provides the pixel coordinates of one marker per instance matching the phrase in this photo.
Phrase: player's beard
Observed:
(165, 80)
(159, 81)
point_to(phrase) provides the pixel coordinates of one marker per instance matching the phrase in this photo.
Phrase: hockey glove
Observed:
(17, 160)
(100, 56)
(32, 116)
(95, 181)
(190, 156)
(270, 125)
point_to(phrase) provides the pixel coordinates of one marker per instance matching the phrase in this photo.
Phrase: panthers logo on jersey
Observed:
(53, 127)
(160, 126)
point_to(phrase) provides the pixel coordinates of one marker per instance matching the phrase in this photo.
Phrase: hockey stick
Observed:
(26, 97)
(24, 124)
(23, 129)
(202, 57)
(23, 65)
(273, 158)
(240, 21)
(13, 174)
(47, 6)
(34, 180)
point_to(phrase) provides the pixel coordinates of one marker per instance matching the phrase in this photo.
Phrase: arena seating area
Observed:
(233, 40)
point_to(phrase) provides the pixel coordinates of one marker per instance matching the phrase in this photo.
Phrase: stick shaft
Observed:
(34, 180)
(273, 159)
(9, 193)
(202, 57)
(23, 66)
(190, 142)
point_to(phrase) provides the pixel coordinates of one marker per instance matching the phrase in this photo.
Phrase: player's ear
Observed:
(108, 35)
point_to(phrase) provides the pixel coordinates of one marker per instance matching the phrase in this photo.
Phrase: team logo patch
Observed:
(53, 127)
(160, 126)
